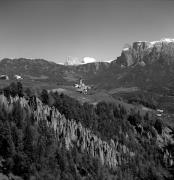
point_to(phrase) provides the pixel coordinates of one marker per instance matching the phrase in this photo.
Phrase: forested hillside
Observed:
(52, 136)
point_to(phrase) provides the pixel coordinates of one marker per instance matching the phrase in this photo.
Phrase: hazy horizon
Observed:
(55, 29)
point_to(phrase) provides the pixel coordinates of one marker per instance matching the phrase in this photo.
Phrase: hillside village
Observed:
(81, 87)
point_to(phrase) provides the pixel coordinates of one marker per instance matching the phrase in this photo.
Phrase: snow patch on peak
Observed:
(88, 60)
(167, 40)
(153, 42)
(125, 49)
(74, 61)
(108, 61)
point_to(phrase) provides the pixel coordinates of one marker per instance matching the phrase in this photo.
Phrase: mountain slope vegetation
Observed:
(35, 141)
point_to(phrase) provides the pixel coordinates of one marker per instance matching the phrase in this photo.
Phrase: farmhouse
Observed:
(4, 77)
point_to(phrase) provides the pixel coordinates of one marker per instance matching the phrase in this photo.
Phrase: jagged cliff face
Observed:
(148, 52)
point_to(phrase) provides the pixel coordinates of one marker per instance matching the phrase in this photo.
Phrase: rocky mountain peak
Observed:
(148, 52)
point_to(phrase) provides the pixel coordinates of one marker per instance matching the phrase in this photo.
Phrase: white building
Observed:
(17, 77)
(4, 77)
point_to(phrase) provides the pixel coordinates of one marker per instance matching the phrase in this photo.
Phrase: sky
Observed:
(56, 29)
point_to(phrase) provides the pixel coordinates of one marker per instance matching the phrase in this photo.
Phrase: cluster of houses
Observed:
(81, 87)
(6, 77)
(160, 112)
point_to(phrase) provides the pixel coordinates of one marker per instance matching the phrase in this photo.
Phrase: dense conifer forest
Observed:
(29, 149)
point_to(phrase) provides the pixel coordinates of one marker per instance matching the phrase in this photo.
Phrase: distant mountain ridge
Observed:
(143, 65)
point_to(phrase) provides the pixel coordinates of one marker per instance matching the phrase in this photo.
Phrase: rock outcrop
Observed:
(148, 52)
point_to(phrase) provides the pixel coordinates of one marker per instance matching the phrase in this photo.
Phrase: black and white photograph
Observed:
(86, 89)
